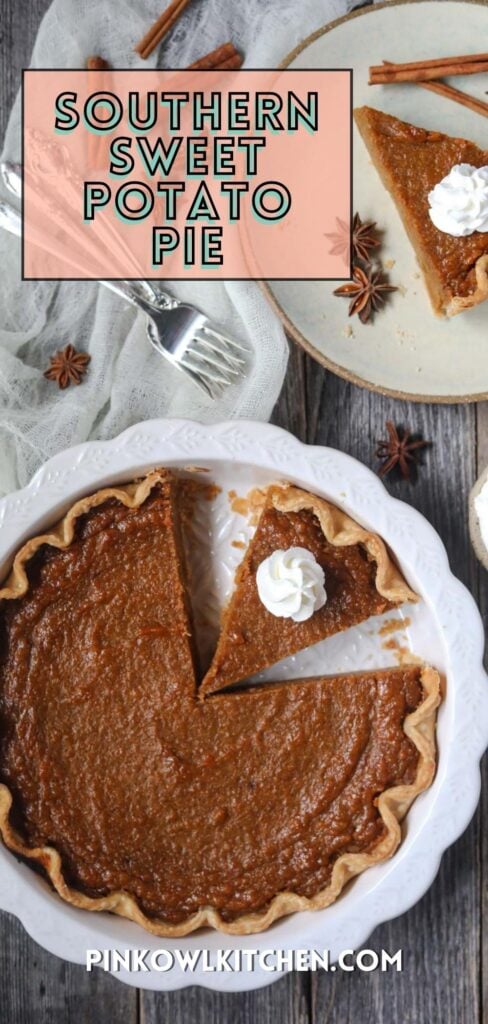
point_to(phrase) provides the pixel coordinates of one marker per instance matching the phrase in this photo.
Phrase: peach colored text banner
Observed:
(186, 174)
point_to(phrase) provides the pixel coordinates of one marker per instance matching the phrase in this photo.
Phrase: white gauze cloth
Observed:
(127, 381)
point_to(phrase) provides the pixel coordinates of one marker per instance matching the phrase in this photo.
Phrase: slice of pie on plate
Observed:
(360, 580)
(411, 161)
(134, 795)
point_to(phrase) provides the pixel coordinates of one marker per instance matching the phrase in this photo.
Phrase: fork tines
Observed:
(213, 358)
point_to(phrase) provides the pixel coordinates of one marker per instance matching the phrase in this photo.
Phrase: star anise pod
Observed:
(364, 238)
(366, 291)
(398, 451)
(67, 366)
(340, 241)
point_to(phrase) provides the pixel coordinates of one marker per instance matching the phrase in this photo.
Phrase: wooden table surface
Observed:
(444, 938)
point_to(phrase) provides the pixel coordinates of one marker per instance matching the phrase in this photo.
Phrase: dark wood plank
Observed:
(36, 986)
(482, 462)
(286, 1001)
(18, 28)
(440, 937)
(33, 984)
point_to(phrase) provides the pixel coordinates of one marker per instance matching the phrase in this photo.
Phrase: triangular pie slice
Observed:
(360, 580)
(411, 161)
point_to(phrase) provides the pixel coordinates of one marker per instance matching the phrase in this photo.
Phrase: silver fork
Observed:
(177, 330)
(186, 337)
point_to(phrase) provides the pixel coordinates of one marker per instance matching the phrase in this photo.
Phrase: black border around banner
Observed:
(350, 71)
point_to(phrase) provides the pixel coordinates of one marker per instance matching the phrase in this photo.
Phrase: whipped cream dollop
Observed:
(291, 584)
(459, 203)
(481, 509)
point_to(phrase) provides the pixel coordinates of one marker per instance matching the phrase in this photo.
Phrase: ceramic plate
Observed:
(407, 351)
(444, 628)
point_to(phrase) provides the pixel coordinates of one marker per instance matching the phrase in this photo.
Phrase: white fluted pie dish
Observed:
(444, 629)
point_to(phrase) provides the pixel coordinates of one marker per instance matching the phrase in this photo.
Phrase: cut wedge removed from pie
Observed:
(134, 795)
(411, 161)
(360, 580)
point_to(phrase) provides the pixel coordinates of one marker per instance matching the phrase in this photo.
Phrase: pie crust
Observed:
(457, 303)
(392, 803)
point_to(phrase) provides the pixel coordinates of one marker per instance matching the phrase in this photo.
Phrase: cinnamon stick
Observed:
(434, 62)
(428, 70)
(160, 28)
(96, 144)
(450, 93)
(97, 64)
(232, 64)
(215, 58)
(443, 89)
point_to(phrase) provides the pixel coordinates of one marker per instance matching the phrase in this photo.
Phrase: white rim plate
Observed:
(406, 352)
(438, 817)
